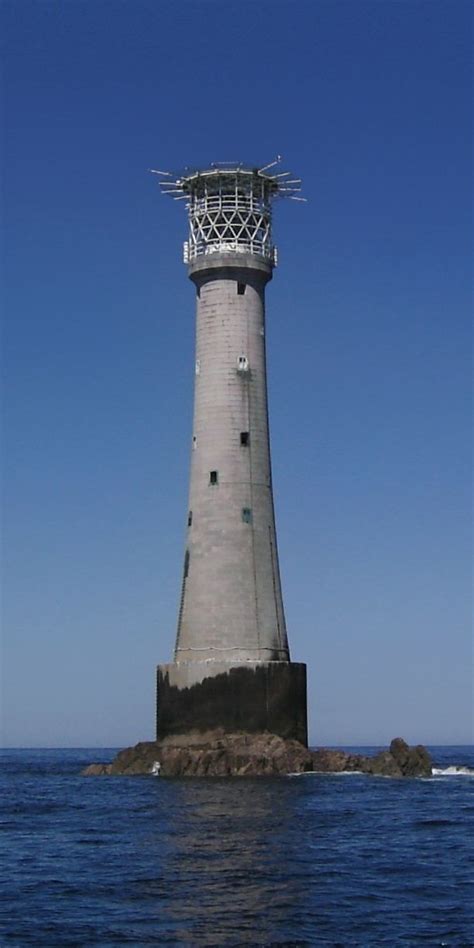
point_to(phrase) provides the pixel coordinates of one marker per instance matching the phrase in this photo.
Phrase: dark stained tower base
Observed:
(264, 696)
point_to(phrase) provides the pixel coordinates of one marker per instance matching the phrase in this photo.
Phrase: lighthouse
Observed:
(231, 668)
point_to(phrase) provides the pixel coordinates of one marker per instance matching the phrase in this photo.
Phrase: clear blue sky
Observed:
(368, 335)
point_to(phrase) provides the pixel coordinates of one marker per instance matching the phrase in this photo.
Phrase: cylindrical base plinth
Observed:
(253, 697)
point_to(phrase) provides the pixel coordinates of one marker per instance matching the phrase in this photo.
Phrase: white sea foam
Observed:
(453, 771)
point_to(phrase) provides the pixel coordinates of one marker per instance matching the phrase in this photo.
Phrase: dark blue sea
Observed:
(308, 860)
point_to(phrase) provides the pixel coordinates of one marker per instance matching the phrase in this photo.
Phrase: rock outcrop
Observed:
(216, 754)
(400, 761)
(412, 761)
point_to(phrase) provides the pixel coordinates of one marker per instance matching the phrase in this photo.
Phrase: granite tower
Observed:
(231, 666)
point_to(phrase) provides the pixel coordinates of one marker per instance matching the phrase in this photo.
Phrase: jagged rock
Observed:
(400, 761)
(412, 761)
(383, 764)
(218, 754)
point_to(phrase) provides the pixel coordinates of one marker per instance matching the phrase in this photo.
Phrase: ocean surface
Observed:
(305, 860)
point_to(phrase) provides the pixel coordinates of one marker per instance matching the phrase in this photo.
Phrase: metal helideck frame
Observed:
(230, 207)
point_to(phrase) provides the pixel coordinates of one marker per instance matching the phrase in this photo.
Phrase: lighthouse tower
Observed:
(231, 666)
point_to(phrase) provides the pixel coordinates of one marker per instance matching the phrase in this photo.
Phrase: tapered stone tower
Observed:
(231, 665)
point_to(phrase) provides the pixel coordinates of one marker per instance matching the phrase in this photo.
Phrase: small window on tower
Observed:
(244, 438)
(190, 518)
(242, 364)
(246, 515)
(213, 477)
(241, 289)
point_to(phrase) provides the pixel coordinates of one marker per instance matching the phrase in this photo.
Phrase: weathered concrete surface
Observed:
(252, 697)
(216, 754)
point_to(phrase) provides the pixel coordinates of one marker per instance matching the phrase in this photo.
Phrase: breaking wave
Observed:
(453, 771)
